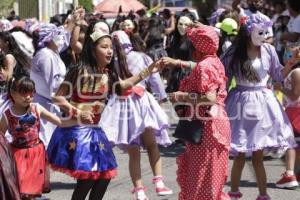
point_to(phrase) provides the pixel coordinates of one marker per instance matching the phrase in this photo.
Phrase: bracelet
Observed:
(190, 64)
(144, 73)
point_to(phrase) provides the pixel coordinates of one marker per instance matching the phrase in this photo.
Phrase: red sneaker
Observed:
(139, 193)
(163, 191)
(298, 177)
(287, 181)
(235, 195)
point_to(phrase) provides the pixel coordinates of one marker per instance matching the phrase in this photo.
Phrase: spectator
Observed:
(13, 16)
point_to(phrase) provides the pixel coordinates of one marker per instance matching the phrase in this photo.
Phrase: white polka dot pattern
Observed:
(202, 169)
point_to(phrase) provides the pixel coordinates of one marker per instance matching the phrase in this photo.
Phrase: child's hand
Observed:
(86, 117)
(155, 67)
(296, 56)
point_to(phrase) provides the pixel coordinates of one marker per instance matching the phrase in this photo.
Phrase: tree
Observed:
(87, 4)
(6, 6)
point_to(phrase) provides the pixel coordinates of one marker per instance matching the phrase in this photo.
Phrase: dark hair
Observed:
(35, 41)
(2, 60)
(155, 30)
(88, 63)
(229, 14)
(137, 42)
(123, 71)
(280, 3)
(176, 37)
(13, 48)
(58, 19)
(240, 56)
(116, 25)
(21, 84)
(295, 5)
(166, 13)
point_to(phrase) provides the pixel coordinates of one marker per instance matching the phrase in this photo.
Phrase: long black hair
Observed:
(22, 59)
(240, 60)
(88, 64)
(176, 39)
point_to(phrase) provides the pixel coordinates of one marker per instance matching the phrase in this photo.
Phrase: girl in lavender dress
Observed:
(258, 122)
(135, 119)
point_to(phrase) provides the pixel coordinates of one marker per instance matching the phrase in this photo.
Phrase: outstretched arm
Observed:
(45, 114)
(128, 83)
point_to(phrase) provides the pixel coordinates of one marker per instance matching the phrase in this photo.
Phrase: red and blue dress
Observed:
(28, 150)
(83, 151)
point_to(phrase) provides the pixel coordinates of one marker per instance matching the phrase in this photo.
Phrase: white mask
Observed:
(259, 35)
(127, 25)
(59, 41)
(183, 23)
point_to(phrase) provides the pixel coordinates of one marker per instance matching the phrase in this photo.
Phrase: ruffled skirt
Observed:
(31, 167)
(125, 119)
(258, 121)
(82, 152)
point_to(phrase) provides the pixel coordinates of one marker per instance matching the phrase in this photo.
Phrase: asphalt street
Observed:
(120, 188)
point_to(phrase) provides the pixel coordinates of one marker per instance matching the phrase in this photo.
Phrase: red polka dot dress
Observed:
(202, 168)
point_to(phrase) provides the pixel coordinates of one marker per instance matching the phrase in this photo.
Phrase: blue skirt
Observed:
(82, 152)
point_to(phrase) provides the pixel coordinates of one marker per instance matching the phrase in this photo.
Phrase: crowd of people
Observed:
(75, 88)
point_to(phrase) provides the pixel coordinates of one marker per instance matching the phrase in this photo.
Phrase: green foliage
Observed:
(87, 4)
(6, 6)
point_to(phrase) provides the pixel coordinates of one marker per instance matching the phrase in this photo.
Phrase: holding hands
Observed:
(178, 96)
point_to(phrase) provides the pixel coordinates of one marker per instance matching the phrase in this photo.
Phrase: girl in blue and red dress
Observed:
(22, 120)
(84, 152)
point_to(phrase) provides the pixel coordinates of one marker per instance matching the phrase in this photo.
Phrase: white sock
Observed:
(140, 194)
(290, 172)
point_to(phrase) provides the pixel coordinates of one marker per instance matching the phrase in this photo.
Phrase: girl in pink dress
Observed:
(22, 120)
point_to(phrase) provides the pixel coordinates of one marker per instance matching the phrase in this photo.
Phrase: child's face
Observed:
(104, 51)
(23, 100)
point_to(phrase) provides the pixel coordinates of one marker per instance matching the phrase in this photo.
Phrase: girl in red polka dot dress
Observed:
(202, 168)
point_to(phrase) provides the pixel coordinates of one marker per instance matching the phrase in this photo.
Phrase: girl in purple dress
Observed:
(258, 122)
(134, 118)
